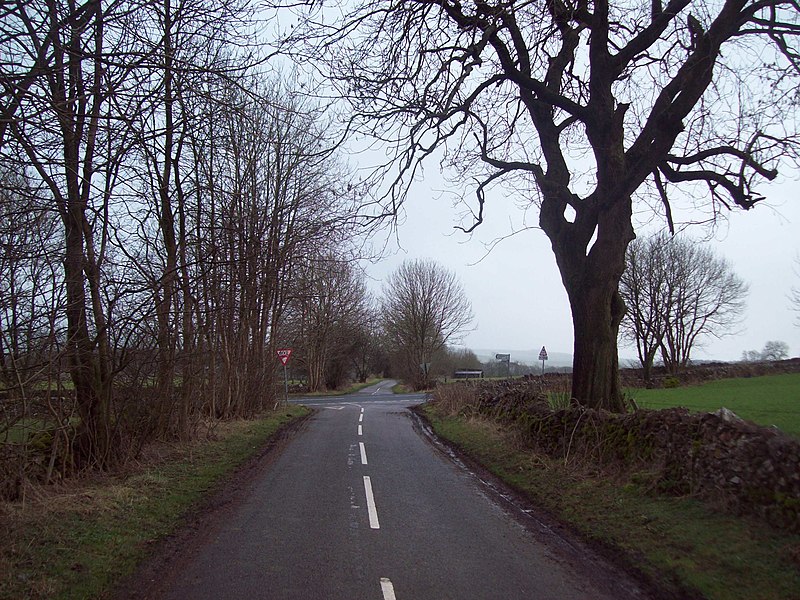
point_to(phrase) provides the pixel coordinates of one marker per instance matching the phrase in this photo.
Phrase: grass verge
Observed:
(351, 389)
(766, 400)
(680, 544)
(79, 540)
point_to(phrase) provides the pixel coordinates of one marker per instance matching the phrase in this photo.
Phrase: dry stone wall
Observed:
(743, 467)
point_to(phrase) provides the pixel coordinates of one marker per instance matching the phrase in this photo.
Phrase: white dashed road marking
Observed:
(373, 512)
(387, 588)
(386, 585)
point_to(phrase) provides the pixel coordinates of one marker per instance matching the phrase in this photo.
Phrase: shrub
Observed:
(671, 382)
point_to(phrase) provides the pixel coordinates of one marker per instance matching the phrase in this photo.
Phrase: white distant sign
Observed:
(505, 357)
(543, 354)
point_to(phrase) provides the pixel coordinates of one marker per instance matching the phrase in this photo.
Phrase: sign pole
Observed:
(543, 357)
(285, 384)
(506, 358)
(283, 355)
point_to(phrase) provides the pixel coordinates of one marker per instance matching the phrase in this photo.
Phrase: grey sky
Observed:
(516, 291)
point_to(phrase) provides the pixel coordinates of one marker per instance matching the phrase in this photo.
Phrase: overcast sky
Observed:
(516, 291)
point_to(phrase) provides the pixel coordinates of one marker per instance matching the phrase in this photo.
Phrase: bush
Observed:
(671, 382)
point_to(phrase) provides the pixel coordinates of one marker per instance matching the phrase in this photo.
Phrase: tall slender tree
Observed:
(57, 126)
(645, 291)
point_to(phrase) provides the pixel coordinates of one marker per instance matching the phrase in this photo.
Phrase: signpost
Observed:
(284, 354)
(506, 358)
(543, 357)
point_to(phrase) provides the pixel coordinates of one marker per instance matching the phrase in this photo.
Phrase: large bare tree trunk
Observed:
(591, 258)
(94, 435)
(596, 315)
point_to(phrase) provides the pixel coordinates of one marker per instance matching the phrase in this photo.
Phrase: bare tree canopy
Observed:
(794, 295)
(644, 289)
(584, 107)
(677, 293)
(157, 190)
(423, 309)
(775, 350)
(329, 310)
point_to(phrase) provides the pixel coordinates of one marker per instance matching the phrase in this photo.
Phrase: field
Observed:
(767, 400)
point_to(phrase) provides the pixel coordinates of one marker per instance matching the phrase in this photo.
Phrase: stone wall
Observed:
(741, 466)
(696, 374)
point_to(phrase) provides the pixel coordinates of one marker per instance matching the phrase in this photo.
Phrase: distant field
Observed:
(767, 400)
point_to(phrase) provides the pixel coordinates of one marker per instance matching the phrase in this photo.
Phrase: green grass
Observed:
(23, 429)
(18, 433)
(681, 544)
(78, 543)
(402, 388)
(351, 389)
(766, 400)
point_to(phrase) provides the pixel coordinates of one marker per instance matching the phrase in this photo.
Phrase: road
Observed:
(362, 505)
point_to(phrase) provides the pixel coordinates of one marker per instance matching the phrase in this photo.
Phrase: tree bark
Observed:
(591, 279)
(596, 314)
(94, 446)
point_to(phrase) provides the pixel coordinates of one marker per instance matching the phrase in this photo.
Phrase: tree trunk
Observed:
(316, 367)
(591, 272)
(93, 446)
(647, 371)
(91, 438)
(596, 314)
(166, 300)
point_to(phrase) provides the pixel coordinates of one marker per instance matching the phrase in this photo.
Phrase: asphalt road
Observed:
(361, 505)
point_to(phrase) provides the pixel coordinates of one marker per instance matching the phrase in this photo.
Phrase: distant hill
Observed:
(526, 357)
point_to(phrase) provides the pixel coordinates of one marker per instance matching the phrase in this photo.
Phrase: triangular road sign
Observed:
(284, 354)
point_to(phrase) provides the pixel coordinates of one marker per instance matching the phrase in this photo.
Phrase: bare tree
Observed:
(677, 292)
(31, 301)
(751, 356)
(57, 127)
(267, 199)
(366, 349)
(585, 107)
(454, 359)
(643, 288)
(181, 188)
(331, 305)
(775, 350)
(192, 47)
(706, 298)
(794, 295)
(423, 309)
